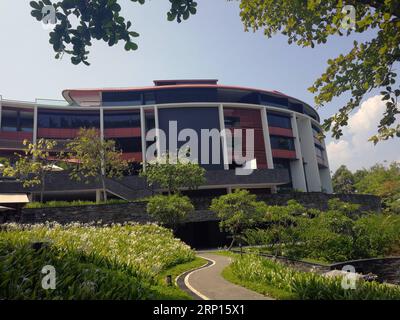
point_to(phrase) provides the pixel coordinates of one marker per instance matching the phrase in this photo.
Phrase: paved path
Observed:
(208, 283)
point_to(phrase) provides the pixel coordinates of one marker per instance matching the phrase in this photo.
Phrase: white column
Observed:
(101, 123)
(223, 137)
(309, 155)
(157, 127)
(267, 141)
(296, 166)
(35, 124)
(143, 136)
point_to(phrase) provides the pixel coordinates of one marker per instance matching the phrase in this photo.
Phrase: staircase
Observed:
(125, 192)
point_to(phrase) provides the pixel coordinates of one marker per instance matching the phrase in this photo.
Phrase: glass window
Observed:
(269, 100)
(280, 121)
(283, 143)
(122, 98)
(238, 96)
(9, 120)
(26, 121)
(311, 112)
(149, 98)
(122, 119)
(231, 122)
(315, 130)
(298, 107)
(130, 145)
(68, 119)
(17, 120)
(182, 95)
(319, 151)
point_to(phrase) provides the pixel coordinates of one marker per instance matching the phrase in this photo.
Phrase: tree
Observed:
(173, 175)
(343, 180)
(383, 182)
(97, 158)
(368, 65)
(33, 165)
(169, 210)
(237, 211)
(280, 230)
(96, 20)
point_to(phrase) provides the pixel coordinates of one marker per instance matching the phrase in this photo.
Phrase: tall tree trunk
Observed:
(42, 187)
(232, 242)
(103, 182)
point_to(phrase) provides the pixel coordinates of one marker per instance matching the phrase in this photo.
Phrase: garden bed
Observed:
(282, 282)
(92, 262)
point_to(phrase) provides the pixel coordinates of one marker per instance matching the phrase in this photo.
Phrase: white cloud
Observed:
(353, 149)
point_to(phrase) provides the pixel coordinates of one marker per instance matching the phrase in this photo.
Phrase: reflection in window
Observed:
(122, 98)
(282, 143)
(231, 122)
(68, 119)
(278, 120)
(121, 119)
(17, 120)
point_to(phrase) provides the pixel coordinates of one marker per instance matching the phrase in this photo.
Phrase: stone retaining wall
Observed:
(136, 211)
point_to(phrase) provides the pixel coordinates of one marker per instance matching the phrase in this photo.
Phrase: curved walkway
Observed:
(207, 283)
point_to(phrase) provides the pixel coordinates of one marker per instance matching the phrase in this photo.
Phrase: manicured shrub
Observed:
(169, 210)
(238, 210)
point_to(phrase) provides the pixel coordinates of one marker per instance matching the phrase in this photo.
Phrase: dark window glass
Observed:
(123, 119)
(122, 98)
(26, 121)
(17, 120)
(231, 122)
(283, 143)
(183, 95)
(68, 119)
(315, 130)
(280, 121)
(319, 151)
(9, 120)
(133, 144)
(149, 98)
(310, 112)
(269, 100)
(298, 107)
(238, 96)
(150, 123)
(284, 164)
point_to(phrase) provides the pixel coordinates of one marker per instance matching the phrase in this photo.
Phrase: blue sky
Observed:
(212, 44)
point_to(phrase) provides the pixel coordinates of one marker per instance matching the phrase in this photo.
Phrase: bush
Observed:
(306, 285)
(238, 210)
(337, 234)
(169, 210)
(376, 235)
(74, 203)
(126, 258)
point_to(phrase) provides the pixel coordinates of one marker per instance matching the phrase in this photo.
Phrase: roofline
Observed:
(68, 98)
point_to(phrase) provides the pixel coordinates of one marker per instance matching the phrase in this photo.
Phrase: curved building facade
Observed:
(287, 154)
